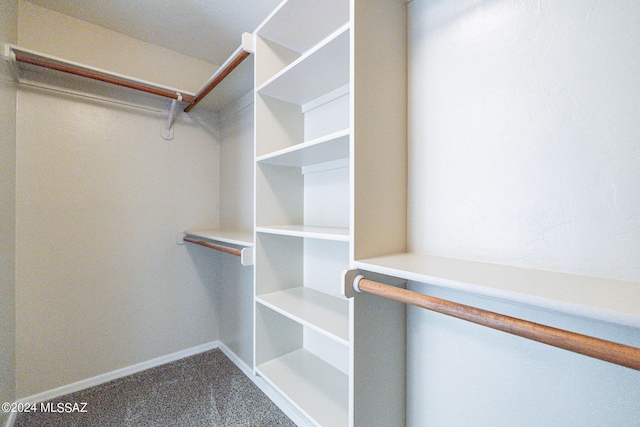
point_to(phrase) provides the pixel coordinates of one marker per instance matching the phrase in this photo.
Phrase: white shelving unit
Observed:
(303, 186)
(321, 123)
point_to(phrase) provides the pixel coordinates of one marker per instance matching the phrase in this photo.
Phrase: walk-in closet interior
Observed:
(278, 198)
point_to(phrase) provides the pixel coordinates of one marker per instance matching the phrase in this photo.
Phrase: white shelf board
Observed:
(324, 313)
(331, 147)
(316, 388)
(11, 49)
(316, 73)
(610, 300)
(300, 24)
(235, 237)
(237, 84)
(313, 232)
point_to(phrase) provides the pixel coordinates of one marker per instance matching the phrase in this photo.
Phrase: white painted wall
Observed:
(101, 283)
(235, 302)
(524, 133)
(79, 41)
(236, 165)
(8, 33)
(523, 150)
(460, 374)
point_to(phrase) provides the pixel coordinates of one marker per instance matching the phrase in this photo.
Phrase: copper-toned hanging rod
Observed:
(589, 346)
(29, 59)
(232, 251)
(220, 76)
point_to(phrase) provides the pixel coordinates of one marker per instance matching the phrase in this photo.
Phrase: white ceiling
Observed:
(210, 30)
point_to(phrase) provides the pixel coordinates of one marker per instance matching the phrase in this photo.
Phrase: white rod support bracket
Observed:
(167, 127)
(246, 257)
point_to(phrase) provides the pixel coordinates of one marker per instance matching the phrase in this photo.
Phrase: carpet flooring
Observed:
(202, 390)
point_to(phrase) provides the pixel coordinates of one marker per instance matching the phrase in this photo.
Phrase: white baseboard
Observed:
(118, 373)
(280, 401)
(10, 419)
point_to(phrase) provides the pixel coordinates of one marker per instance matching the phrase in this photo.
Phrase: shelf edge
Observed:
(303, 145)
(223, 236)
(331, 335)
(383, 265)
(324, 42)
(301, 233)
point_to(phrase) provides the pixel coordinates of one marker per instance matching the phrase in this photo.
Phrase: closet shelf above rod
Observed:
(28, 56)
(207, 238)
(232, 251)
(236, 59)
(589, 346)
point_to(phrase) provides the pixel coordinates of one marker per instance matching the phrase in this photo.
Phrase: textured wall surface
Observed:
(101, 282)
(100, 197)
(524, 133)
(235, 303)
(524, 150)
(460, 374)
(8, 33)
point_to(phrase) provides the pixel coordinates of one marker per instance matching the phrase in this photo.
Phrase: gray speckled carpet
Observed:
(203, 390)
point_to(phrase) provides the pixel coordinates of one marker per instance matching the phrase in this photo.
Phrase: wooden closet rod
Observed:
(29, 59)
(232, 251)
(589, 346)
(231, 65)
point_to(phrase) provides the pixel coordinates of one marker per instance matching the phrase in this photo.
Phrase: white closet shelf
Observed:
(316, 388)
(328, 148)
(235, 237)
(610, 300)
(324, 313)
(300, 24)
(313, 232)
(228, 84)
(319, 71)
(209, 239)
(28, 57)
